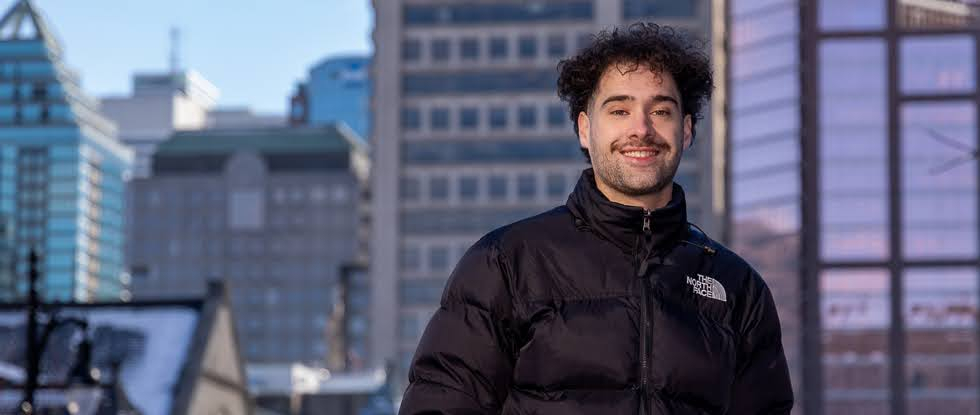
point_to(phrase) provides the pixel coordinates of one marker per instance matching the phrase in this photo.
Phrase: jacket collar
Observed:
(621, 224)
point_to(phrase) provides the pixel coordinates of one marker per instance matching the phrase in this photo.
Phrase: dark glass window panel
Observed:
(498, 47)
(439, 188)
(439, 118)
(527, 116)
(527, 47)
(468, 188)
(421, 292)
(469, 118)
(410, 189)
(502, 81)
(411, 50)
(490, 151)
(411, 118)
(496, 13)
(557, 47)
(636, 9)
(440, 50)
(557, 116)
(557, 185)
(497, 187)
(527, 186)
(498, 118)
(469, 48)
(840, 15)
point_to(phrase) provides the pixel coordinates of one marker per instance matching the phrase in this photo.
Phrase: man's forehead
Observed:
(619, 73)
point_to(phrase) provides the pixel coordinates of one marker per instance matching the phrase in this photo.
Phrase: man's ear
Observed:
(688, 127)
(583, 129)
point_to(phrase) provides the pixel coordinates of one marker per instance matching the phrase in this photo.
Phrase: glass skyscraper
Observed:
(853, 189)
(62, 170)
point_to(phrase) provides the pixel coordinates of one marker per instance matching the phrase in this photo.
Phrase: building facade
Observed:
(62, 171)
(470, 136)
(159, 105)
(852, 131)
(338, 89)
(274, 212)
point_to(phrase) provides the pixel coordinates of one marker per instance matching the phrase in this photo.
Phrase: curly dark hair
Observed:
(661, 48)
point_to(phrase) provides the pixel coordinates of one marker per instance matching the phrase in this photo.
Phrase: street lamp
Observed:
(80, 371)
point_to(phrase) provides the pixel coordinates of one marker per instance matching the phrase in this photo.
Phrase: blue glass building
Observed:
(61, 168)
(339, 89)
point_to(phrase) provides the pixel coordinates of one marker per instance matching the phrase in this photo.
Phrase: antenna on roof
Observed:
(174, 50)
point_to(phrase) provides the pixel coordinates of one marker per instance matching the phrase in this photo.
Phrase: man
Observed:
(613, 303)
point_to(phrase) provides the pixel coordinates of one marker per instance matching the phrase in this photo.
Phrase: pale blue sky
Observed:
(253, 50)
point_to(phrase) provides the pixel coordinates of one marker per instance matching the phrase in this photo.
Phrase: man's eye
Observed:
(618, 112)
(662, 113)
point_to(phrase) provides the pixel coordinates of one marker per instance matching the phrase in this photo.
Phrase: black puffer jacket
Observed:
(599, 308)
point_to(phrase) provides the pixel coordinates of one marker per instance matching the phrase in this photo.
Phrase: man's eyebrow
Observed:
(665, 98)
(615, 98)
(656, 99)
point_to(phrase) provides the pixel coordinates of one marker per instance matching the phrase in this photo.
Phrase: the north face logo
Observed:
(706, 286)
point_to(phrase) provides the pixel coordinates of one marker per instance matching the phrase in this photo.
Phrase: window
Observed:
(469, 49)
(493, 82)
(836, 15)
(411, 119)
(438, 258)
(439, 188)
(410, 189)
(246, 209)
(937, 64)
(469, 118)
(439, 119)
(557, 185)
(468, 188)
(440, 50)
(493, 13)
(556, 46)
(498, 48)
(527, 47)
(498, 118)
(527, 186)
(527, 116)
(411, 50)
(497, 187)
(636, 9)
(556, 116)
(421, 292)
(939, 196)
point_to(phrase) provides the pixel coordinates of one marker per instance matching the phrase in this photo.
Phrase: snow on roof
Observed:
(154, 340)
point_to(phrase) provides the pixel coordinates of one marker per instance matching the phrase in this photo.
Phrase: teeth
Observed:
(639, 153)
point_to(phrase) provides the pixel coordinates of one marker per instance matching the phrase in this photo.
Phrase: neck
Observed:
(649, 201)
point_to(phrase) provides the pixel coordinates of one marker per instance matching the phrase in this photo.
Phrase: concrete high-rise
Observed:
(62, 170)
(469, 135)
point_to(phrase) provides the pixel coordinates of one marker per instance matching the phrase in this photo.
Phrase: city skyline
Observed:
(333, 28)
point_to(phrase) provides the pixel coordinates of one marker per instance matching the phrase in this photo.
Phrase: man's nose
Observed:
(640, 126)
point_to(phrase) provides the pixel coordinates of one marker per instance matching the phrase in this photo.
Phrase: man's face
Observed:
(634, 130)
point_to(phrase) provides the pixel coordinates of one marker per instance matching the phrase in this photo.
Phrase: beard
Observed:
(610, 167)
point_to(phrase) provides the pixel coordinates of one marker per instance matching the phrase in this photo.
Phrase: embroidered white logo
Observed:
(706, 286)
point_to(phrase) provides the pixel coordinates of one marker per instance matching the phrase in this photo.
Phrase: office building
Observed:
(274, 212)
(851, 135)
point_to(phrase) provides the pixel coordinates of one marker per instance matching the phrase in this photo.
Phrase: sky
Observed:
(254, 51)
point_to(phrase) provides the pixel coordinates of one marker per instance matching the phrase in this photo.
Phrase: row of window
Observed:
(471, 152)
(466, 188)
(496, 12)
(435, 258)
(509, 81)
(491, 118)
(492, 48)
(278, 195)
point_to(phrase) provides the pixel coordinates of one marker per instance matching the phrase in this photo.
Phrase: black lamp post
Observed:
(80, 372)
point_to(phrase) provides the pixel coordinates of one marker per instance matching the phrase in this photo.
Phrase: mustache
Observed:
(650, 141)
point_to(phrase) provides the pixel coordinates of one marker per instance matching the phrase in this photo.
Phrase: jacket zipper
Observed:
(644, 317)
